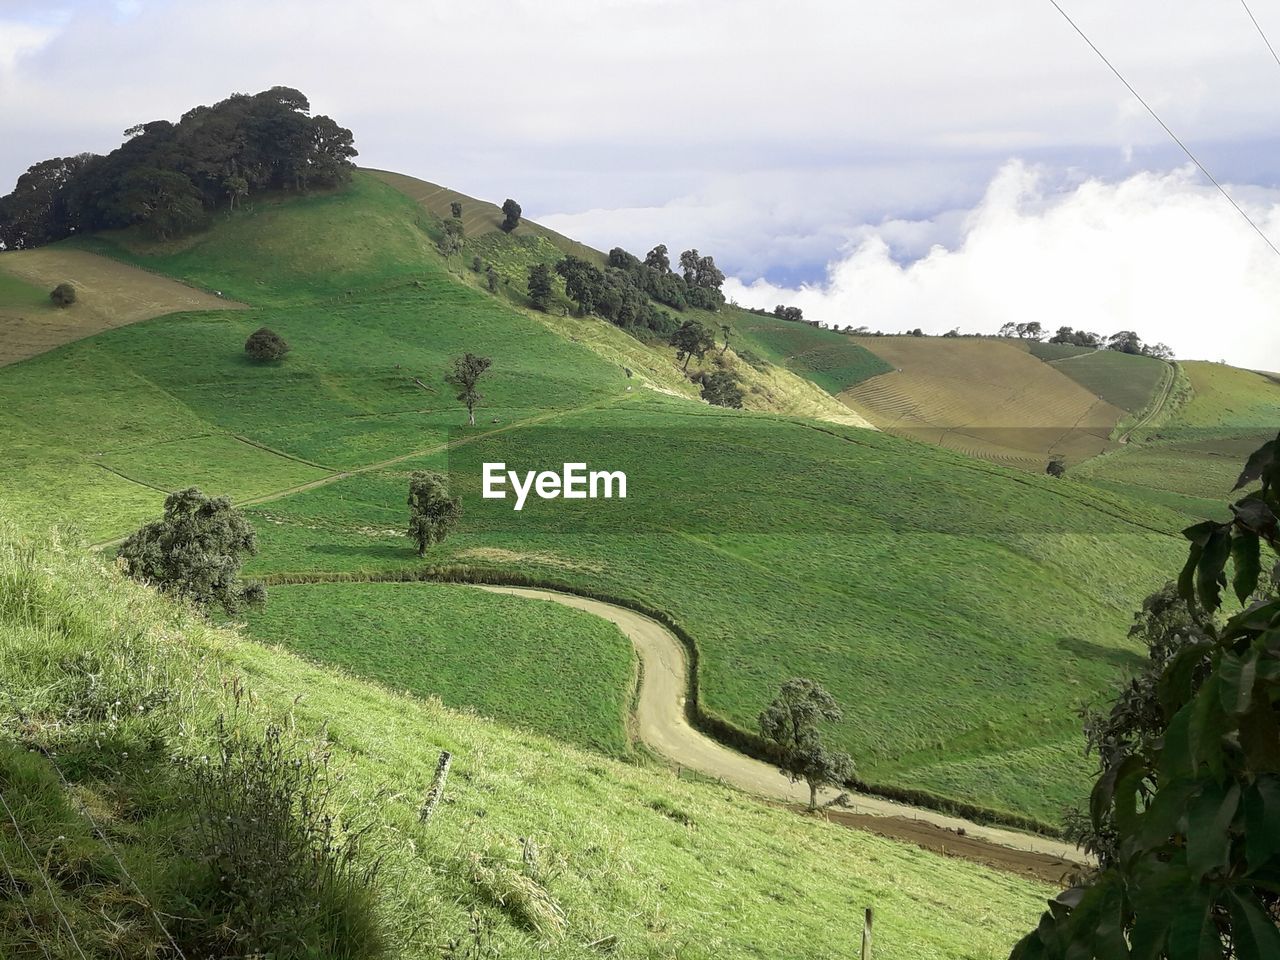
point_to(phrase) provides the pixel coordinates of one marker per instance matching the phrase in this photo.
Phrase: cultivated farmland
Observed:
(983, 398)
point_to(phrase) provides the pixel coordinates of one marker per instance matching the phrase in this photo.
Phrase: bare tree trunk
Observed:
(813, 797)
(471, 415)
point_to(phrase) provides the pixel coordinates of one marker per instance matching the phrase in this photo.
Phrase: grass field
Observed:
(556, 852)
(109, 294)
(1124, 381)
(870, 563)
(503, 656)
(831, 360)
(983, 398)
(879, 566)
(1196, 451)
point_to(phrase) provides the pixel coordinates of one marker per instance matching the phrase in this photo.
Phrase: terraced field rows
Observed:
(983, 398)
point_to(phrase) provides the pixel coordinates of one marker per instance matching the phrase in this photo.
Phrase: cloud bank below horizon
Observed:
(1159, 253)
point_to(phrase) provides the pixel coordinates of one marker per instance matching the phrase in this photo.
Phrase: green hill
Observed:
(113, 700)
(781, 544)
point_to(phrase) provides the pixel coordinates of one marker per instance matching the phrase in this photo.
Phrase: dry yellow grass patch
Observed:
(109, 295)
(984, 398)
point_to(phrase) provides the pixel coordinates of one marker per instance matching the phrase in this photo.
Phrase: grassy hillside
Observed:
(831, 360)
(501, 656)
(109, 294)
(873, 564)
(1194, 452)
(879, 566)
(984, 398)
(548, 851)
(1124, 381)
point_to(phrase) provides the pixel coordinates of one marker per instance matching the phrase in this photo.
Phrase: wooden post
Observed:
(437, 787)
(866, 936)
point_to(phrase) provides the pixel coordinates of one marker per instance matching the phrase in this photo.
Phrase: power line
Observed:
(1257, 26)
(1190, 156)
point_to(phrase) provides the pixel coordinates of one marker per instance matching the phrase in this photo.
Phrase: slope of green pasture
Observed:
(1057, 351)
(829, 359)
(1129, 382)
(17, 295)
(285, 249)
(614, 859)
(503, 656)
(1197, 450)
(161, 401)
(958, 610)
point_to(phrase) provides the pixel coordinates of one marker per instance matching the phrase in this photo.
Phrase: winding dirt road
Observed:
(661, 723)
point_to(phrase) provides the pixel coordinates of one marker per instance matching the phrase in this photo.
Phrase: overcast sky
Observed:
(915, 163)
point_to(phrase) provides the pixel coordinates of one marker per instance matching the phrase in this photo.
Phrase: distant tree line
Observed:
(169, 176)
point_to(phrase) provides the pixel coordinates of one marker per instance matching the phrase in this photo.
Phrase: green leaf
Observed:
(1253, 933)
(1262, 822)
(1246, 557)
(1257, 462)
(1208, 724)
(1210, 575)
(1260, 737)
(1193, 935)
(1238, 675)
(1209, 821)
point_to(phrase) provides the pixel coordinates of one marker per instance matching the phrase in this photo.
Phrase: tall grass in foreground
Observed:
(139, 820)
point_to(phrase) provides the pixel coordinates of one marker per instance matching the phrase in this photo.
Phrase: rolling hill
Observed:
(781, 544)
(984, 398)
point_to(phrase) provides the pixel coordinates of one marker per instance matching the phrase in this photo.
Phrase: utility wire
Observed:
(35, 930)
(1191, 156)
(1257, 26)
(53, 900)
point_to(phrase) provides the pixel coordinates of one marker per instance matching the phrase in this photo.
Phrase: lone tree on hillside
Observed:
(491, 278)
(791, 723)
(432, 512)
(511, 215)
(464, 374)
(1057, 466)
(451, 240)
(265, 345)
(692, 339)
(540, 286)
(726, 330)
(455, 209)
(722, 389)
(194, 552)
(63, 295)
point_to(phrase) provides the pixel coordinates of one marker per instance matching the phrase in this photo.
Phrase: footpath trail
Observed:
(661, 723)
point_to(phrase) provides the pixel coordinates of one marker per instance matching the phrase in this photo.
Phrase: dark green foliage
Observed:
(265, 345)
(692, 339)
(166, 176)
(1057, 467)
(491, 278)
(791, 723)
(276, 869)
(455, 209)
(510, 215)
(464, 374)
(1186, 811)
(722, 389)
(1076, 338)
(620, 293)
(63, 295)
(432, 512)
(540, 286)
(657, 259)
(788, 313)
(477, 265)
(195, 551)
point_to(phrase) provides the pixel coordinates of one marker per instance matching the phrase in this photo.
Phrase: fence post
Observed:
(437, 787)
(866, 936)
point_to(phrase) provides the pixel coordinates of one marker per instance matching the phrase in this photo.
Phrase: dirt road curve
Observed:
(661, 723)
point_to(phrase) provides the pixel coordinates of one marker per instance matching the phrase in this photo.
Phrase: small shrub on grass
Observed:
(279, 876)
(266, 346)
(63, 295)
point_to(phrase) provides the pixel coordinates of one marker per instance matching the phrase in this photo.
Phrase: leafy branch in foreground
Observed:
(1191, 866)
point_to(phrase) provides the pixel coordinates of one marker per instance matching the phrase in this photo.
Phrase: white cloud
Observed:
(1158, 253)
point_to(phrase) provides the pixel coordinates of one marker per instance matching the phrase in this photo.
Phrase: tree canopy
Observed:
(168, 176)
(692, 339)
(792, 723)
(464, 375)
(432, 512)
(265, 345)
(194, 551)
(510, 215)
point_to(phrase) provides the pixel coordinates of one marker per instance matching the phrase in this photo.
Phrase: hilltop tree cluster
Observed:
(168, 176)
(697, 285)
